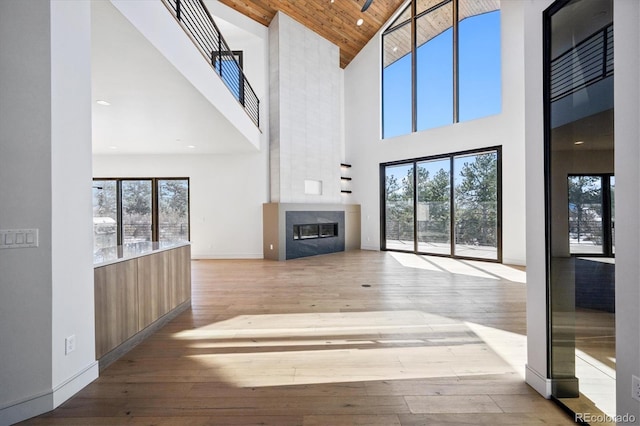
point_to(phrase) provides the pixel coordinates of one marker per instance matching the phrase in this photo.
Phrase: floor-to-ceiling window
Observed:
(440, 65)
(445, 205)
(580, 216)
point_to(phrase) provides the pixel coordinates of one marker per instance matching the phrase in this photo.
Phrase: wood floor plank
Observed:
(355, 338)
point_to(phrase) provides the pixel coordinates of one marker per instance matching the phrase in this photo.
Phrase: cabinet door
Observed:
(116, 305)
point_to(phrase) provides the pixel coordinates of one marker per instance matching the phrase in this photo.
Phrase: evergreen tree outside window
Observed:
(141, 210)
(447, 205)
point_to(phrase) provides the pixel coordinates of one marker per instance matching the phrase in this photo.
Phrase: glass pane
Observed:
(435, 68)
(136, 211)
(399, 207)
(173, 210)
(581, 289)
(105, 214)
(434, 206)
(479, 72)
(402, 18)
(226, 65)
(585, 215)
(476, 205)
(396, 82)
(422, 5)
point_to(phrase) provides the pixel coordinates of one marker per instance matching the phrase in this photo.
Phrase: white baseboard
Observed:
(74, 384)
(35, 405)
(538, 382)
(26, 408)
(207, 256)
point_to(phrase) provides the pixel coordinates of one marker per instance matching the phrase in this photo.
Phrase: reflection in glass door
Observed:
(399, 207)
(433, 214)
(579, 157)
(590, 215)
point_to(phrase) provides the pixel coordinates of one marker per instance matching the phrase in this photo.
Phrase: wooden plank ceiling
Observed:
(335, 21)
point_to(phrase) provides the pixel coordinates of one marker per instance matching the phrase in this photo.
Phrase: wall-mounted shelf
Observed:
(345, 179)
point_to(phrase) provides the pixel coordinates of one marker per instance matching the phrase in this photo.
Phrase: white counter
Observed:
(109, 255)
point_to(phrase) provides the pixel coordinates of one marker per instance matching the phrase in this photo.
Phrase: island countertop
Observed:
(114, 254)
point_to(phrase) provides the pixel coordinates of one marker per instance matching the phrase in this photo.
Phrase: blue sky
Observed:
(479, 77)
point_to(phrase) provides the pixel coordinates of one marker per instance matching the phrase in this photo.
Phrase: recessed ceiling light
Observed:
(101, 102)
(395, 48)
(113, 147)
(578, 142)
(191, 146)
(360, 22)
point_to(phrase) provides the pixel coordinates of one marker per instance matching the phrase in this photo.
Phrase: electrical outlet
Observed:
(70, 344)
(635, 387)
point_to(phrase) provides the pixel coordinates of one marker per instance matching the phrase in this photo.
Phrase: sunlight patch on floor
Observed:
(473, 268)
(341, 347)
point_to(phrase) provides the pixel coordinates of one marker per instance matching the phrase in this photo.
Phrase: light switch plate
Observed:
(18, 238)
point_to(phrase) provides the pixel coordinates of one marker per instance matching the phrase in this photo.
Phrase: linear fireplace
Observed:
(315, 230)
(299, 230)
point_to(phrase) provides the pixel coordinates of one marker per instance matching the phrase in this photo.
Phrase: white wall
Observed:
(160, 28)
(305, 97)
(365, 150)
(627, 157)
(227, 193)
(536, 263)
(46, 293)
(72, 259)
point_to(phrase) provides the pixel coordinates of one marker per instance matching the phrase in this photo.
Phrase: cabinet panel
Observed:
(152, 290)
(116, 305)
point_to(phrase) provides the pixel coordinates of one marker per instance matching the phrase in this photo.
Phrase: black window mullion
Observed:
(119, 227)
(456, 80)
(452, 220)
(414, 73)
(605, 184)
(415, 207)
(155, 226)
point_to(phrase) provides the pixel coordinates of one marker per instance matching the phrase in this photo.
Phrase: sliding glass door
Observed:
(399, 207)
(434, 206)
(476, 205)
(446, 205)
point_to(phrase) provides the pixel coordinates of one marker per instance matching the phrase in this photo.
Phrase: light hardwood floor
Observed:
(357, 338)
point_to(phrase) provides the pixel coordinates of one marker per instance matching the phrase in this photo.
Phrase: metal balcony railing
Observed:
(586, 63)
(198, 23)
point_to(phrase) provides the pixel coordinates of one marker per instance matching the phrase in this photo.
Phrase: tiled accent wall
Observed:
(305, 114)
(312, 247)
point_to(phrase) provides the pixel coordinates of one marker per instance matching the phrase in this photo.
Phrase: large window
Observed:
(446, 205)
(440, 65)
(129, 211)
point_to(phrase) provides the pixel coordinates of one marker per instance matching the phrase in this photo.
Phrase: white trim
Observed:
(538, 382)
(41, 403)
(195, 256)
(26, 408)
(75, 383)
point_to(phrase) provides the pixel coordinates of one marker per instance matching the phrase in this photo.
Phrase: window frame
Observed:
(451, 156)
(412, 20)
(155, 210)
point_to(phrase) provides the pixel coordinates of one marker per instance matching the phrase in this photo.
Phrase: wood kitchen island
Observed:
(138, 288)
